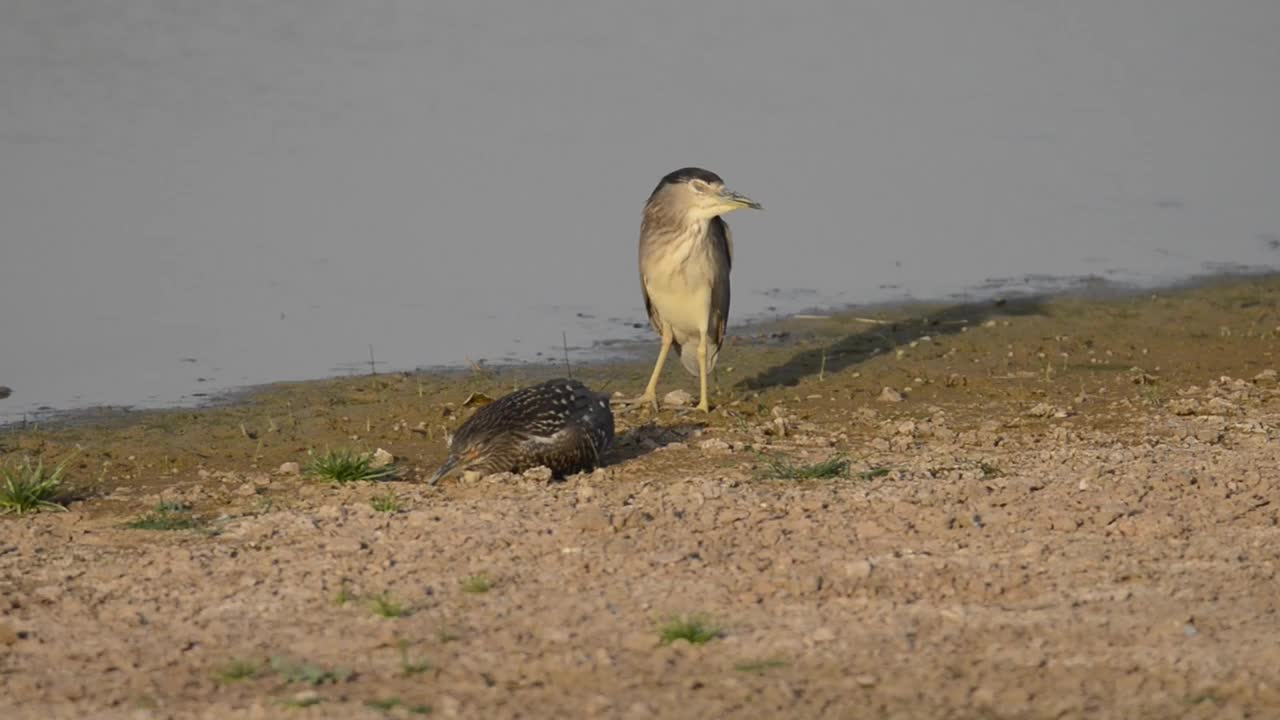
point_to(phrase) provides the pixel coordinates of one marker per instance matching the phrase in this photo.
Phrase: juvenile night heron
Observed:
(560, 424)
(686, 251)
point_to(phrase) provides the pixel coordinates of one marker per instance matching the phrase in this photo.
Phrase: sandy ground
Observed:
(1061, 509)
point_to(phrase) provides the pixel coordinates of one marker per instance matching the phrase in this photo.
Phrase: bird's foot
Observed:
(649, 400)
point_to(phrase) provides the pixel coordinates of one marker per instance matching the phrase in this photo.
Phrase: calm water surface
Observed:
(197, 195)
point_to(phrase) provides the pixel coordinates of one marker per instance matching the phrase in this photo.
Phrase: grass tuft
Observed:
(166, 516)
(695, 629)
(308, 673)
(238, 670)
(387, 503)
(781, 468)
(409, 666)
(476, 584)
(873, 473)
(30, 488)
(759, 667)
(384, 606)
(344, 466)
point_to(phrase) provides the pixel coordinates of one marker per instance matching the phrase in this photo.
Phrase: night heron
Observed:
(560, 424)
(686, 251)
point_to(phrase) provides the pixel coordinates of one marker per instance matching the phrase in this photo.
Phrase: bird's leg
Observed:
(650, 395)
(702, 373)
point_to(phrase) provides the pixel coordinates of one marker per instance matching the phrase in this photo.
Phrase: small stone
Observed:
(381, 458)
(344, 545)
(677, 398)
(866, 681)
(306, 697)
(889, 395)
(472, 476)
(591, 519)
(542, 473)
(1266, 376)
(1041, 410)
(858, 569)
(290, 468)
(1184, 406)
(714, 444)
(1207, 435)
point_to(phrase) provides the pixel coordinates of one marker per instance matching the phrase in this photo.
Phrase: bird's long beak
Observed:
(738, 199)
(449, 464)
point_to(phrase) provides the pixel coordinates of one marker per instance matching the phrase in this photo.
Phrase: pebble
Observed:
(344, 545)
(381, 458)
(591, 519)
(715, 444)
(1041, 410)
(541, 473)
(8, 635)
(677, 398)
(889, 395)
(290, 468)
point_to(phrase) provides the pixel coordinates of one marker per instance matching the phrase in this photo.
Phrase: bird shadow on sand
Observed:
(647, 438)
(855, 348)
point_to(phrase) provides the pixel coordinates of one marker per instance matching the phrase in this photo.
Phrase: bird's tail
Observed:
(689, 357)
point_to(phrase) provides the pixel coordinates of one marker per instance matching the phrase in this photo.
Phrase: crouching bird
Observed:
(686, 252)
(560, 424)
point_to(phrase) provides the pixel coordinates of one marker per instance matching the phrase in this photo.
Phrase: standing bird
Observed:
(686, 251)
(560, 424)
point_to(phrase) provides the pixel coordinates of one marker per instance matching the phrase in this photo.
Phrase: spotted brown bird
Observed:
(560, 424)
(686, 252)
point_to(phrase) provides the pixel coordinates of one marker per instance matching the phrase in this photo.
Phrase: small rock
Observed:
(714, 444)
(1220, 406)
(866, 680)
(1266, 376)
(1041, 410)
(472, 476)
(381, 458)
(889, 395)
(542, 473)
(823, 634)
(1184, 406)
(306, 697)
(290, 468)
(677, 398)
(344, 545)
(858, 569)
(591, 519)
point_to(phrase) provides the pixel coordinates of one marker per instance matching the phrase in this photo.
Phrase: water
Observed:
(200, 195)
